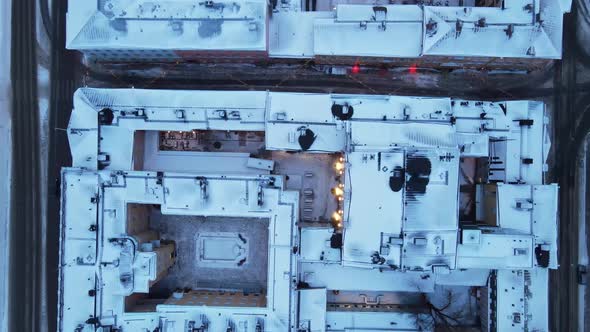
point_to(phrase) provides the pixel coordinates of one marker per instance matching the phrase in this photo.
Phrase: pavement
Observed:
(5, 157)
(584, 290)
(34, 218)
(25, 211)
(585, 219)
(571, 124)
(316, 78)
(188, 273)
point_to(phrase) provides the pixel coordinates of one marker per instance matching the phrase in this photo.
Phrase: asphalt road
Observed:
(313, 78)
(571, 122)
(33, 289)
(64, 75)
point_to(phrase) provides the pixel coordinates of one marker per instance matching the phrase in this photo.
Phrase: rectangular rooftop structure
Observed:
(518, 296)
(136, 28)
(274, 211)
(248, 30)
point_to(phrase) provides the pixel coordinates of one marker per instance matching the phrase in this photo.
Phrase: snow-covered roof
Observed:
(290, 33)
(177, 29)
(359, 30)
(367, 175)
(167, 25)
(397, 164)
(520, 297)
(520, 29)
(95, 230)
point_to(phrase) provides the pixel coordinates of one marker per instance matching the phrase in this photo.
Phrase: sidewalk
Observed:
(5, 155)
(583, 290)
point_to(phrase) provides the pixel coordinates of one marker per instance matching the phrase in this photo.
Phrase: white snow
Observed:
(581, 185)
(172, 25)
(394, 240)
(361, 29)
(5, 156)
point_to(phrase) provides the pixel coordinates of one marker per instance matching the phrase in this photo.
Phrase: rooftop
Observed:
(179, 29)
(291, 211)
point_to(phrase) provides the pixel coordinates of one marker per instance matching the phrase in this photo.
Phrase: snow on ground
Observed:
(44, 94)
(6, 140)
(582, 233)
(5, 155)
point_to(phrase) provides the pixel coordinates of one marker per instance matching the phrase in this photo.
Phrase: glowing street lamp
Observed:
(337, 191)
(336, 217)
